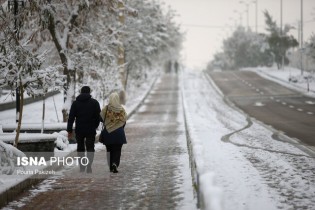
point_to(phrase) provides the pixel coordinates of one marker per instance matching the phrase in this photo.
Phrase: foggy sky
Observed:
(208, 22)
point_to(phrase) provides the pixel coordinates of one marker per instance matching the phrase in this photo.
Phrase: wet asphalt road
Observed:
(154, 171)
(283, 109)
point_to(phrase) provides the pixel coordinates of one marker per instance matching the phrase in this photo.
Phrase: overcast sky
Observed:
(208, 22)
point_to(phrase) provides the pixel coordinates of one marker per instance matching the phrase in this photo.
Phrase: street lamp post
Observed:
(301, 23)
(302, 44)
(256, 17)
(281, 6)
(13, 5)
(247, 13)
(281, 32)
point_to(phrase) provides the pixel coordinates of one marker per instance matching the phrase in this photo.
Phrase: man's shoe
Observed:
(114, 168)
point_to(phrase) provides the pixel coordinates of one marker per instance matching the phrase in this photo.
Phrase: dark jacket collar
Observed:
(83, 97)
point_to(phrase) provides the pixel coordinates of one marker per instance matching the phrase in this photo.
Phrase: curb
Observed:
(201, 177)
(12, 192)
(192, 158)
(192, 161)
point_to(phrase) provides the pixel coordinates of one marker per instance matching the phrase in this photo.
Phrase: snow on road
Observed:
(253, 168)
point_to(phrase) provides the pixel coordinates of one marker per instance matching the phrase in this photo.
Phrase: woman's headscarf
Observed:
(114, 102)
(115, 114)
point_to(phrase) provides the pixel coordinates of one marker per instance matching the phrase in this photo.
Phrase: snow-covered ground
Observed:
(240, 165)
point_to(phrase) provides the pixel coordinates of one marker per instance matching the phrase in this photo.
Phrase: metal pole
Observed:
(247, 11)
(299, 33)
(280, 17)
(302, 23)
(256, 19)
(281, 14)
(43, 114)
(302, 44)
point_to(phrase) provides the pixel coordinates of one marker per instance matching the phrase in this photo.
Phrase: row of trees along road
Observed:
(248, 49)
(62, 44)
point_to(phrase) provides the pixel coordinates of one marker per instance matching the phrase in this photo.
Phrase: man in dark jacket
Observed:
(85, 111)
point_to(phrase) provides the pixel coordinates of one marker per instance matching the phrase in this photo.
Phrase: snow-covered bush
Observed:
(8, 156)
(62, 140)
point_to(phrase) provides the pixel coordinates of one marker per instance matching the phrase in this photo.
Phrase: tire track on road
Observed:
(226, 139)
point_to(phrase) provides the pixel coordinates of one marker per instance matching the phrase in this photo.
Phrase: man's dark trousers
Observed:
(85, 143)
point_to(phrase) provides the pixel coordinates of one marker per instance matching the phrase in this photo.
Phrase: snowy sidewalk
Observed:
(154, 171)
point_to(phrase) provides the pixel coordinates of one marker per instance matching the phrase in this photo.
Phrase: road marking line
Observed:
(278, 101)
(291, 106)
(300, 110)
(311, 113)
(284, 103)
(272, 98)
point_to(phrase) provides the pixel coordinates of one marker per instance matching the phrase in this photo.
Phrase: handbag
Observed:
(102, 137)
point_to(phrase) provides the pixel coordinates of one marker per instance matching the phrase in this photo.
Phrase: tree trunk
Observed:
(121, 56)
(64, 61)
(16, 141)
